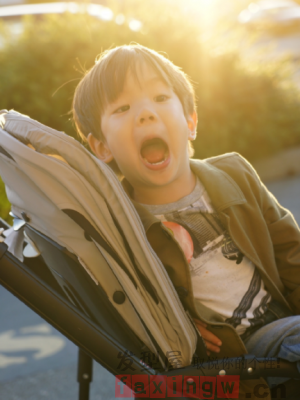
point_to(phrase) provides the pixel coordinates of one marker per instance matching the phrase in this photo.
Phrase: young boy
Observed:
(137, 112)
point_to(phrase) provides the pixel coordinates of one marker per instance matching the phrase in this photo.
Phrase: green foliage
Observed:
(40, 69)
(244, 107)
(251, 109)
(5, 206)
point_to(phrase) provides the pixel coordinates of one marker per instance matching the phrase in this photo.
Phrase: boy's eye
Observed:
(161, 98)
(121, 109)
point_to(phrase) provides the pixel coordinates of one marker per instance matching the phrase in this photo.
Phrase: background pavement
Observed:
(37, 362)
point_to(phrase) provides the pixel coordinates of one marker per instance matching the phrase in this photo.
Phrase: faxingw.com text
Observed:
(162, 386)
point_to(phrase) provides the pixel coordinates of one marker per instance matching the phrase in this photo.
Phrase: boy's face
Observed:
(146, 132)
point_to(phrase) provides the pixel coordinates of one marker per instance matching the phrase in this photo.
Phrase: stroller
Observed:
(77, 254)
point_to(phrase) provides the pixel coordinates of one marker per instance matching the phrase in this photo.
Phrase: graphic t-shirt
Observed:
(223, 279)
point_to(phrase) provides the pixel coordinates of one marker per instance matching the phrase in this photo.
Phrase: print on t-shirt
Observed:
(223, 279)
(206, 232)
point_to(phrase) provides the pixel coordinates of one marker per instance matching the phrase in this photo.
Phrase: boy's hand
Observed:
(212, 342)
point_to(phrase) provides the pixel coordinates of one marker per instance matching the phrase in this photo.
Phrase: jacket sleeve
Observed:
(266, 226)
(285, 236)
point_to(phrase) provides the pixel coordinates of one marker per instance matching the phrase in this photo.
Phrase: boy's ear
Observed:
(100, 149)
(192, 125)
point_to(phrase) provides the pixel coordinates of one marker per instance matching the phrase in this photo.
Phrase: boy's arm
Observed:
(285, 235)
(284, 232)
(282, 227)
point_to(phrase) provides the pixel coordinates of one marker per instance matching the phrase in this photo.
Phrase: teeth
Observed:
(158, 163)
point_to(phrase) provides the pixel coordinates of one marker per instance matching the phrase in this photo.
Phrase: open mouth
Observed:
(154, 151)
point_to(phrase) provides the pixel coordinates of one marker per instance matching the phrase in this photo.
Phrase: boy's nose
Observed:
(146, 116)
(144, 119)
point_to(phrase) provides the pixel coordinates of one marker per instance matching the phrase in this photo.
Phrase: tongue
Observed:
(154, 152)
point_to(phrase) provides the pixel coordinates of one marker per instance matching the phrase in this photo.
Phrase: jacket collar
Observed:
(221, 188)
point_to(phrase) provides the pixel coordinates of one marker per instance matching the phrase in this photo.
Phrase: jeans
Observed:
(280, 338)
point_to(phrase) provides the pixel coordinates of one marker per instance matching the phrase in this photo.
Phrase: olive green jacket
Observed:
(263, 231)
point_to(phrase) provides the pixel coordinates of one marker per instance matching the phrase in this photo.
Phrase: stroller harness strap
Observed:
(77, 201)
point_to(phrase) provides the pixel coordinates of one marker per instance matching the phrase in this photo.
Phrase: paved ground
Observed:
(37, 362)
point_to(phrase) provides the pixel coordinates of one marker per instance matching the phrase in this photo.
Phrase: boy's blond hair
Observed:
(104, 82)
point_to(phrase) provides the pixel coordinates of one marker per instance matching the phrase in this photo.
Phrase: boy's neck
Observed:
(165, 194)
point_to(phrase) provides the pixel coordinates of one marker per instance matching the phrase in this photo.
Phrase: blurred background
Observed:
(243, 58)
